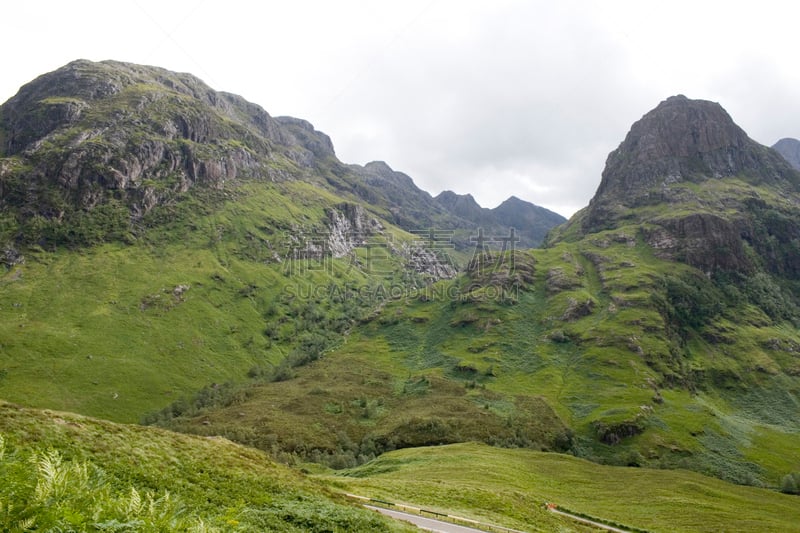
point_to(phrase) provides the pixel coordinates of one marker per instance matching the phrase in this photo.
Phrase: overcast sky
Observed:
(492, 98)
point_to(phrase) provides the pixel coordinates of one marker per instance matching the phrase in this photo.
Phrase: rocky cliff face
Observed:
(90, 131)
(349, 227)
(701, 189)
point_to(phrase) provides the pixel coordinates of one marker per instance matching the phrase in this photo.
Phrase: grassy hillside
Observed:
(67, 472)
(510, 487)
(598, 348)
(117, 331)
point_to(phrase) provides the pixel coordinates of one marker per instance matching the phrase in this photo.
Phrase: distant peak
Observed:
(512, 200)
(450, 197)
(789, 148)
(378, 166)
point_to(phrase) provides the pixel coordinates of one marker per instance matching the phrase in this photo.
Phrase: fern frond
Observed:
(26, 524)
(134, 503)
(48, 466)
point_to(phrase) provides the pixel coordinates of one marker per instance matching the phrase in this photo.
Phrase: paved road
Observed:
(428, 524)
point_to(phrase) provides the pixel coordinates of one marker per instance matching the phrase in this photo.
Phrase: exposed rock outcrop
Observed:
(138, 134)
(349, 227)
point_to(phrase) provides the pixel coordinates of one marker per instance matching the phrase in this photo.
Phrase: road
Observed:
(439, 526)
(428, 524)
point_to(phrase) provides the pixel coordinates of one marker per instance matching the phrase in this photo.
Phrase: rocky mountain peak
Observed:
(381, 172)
(681, 140)
(458, 202)
(302, 133)
(93, 131)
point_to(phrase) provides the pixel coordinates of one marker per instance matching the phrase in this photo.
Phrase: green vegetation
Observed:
(598, 347)
(790, 484)
(510, 487)
(174, 265)
(67, 472)
(41, 492)
(203, 299)
(343, 410)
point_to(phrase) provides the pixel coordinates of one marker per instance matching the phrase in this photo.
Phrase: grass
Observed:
(344, 410)
(117, 331)
(92, 472)
(618, 385)
(510, 487)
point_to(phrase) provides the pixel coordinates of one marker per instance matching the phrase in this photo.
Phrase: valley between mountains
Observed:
(209, 322)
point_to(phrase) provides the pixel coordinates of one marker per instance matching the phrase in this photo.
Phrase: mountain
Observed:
(105, 146)
(680, 142)
(658, 328)
(517, 213)
(463, 205)
(529, 222)
(727, 193)
(177, 256)
(790, 150)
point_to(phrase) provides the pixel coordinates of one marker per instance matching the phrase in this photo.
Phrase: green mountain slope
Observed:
(666, 337)
(120, 330)
(150, 229)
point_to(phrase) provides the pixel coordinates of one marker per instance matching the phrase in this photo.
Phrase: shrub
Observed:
(789, 483)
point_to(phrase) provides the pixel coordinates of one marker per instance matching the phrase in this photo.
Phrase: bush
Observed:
(790, 484)
(692, 300)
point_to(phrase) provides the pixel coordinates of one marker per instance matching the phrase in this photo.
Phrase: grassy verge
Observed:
(509, 487)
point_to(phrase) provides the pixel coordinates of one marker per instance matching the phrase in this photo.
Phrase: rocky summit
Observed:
(680, 141)
(700, 186)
